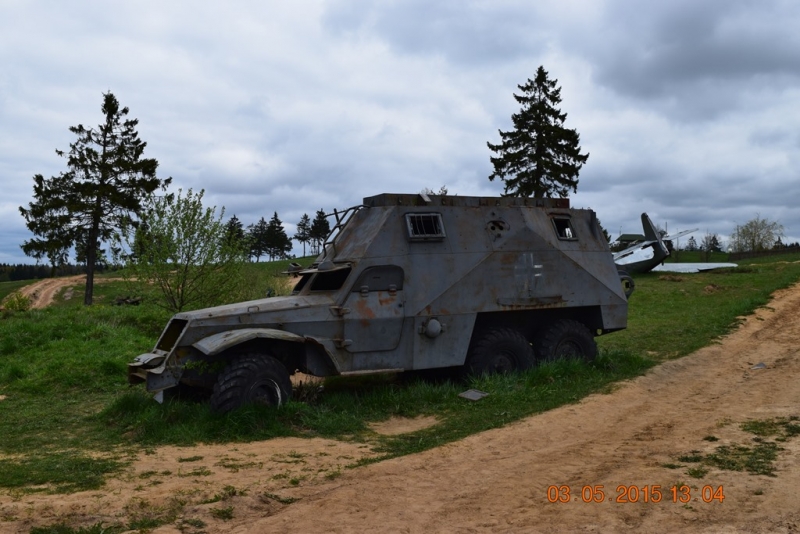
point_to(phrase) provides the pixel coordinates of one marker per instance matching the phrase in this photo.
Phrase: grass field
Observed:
(68, 418)
(6, 288)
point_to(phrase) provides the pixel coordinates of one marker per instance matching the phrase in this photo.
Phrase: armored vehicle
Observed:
(408, 282)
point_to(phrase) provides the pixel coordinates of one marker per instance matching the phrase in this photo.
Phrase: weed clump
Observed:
(17, 302)
(757, 459)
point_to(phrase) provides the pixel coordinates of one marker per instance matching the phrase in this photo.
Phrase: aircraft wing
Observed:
(691, 267)
(679, 234)
(635, 253)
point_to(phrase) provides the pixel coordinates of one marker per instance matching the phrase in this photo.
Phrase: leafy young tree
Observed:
(191, 258)
(320, 229)
(278, 243)
(106, 181)
(257, 238)
(539, 157)
(691, 245)
(303, 234)
(755, 235)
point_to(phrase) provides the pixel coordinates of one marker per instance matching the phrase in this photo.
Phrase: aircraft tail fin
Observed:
(650, 232)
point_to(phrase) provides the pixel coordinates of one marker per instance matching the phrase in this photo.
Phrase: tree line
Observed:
(110, 196)
(13, 272)
(107, 195)
(756, 236)
(271, 240)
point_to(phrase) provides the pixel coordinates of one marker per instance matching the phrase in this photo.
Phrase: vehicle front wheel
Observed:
(500, 350)
(567, 339)
(251, 379)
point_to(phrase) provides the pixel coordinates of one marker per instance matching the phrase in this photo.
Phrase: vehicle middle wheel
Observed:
(251, 379)
(500, 350)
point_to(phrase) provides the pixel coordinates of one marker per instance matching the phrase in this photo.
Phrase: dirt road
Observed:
(43, 292)
(639, 435)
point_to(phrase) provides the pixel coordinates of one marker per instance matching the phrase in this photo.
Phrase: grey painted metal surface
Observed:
(407, 282)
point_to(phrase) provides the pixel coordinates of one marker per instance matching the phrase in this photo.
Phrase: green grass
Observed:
(260, 279)
(263, 277)
(671, 315)
(98, 528)
(757, 459)
(68, 418)
(6, 288)
(349, 404)
(697, 256)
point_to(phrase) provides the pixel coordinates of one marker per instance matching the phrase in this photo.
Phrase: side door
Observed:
(376, 313)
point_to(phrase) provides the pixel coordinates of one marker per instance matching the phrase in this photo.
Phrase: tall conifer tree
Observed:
(539, 157)
(106, 181)
(303, 234)
(320, 228)
(257, 238)
(278, 243)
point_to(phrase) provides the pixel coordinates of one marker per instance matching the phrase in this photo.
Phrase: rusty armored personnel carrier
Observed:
(408, 282)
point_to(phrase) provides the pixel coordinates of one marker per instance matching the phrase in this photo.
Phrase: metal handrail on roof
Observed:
(342, 218)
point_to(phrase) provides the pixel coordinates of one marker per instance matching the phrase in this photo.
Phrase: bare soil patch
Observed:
(497, 481)
(43, 292)
(394, 426)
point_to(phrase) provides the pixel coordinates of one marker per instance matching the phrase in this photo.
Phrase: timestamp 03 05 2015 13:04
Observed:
(635, 494)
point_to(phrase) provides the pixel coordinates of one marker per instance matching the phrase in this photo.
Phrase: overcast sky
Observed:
(690, 109)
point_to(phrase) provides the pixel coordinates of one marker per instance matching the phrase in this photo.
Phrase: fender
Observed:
(218, 343)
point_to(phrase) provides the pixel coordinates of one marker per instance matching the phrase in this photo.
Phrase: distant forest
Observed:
(11, 273)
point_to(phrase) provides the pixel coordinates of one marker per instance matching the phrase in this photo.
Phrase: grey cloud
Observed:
(686, 108)
(468, 33)
(698, 58)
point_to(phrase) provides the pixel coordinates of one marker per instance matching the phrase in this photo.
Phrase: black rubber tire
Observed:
(500, 350)
(251, 379)
(566, 339)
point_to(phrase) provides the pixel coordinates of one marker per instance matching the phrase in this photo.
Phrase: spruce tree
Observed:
(320, 229)
(257, 238)
(303, 234)
(234, 230)
(106, 181)
(278, 243)
(539, 157)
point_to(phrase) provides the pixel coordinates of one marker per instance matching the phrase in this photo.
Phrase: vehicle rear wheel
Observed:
(567, 339)
(500, 350)
(251, 379)
(627, 283)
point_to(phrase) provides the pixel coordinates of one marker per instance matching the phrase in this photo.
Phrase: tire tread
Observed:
(231, 383)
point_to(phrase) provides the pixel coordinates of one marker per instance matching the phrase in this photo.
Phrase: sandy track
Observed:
(43, 292)
(497, 481)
